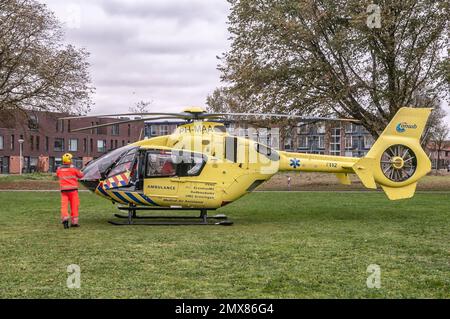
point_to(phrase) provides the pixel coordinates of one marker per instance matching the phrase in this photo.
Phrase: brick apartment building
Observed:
(444, 156)
(46, 139)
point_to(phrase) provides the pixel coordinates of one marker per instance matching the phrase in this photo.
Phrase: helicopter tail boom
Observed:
(396, 160)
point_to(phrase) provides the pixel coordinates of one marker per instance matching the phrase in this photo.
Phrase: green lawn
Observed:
(293, 245)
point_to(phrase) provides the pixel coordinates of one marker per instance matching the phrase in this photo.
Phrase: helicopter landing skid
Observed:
(161, 220)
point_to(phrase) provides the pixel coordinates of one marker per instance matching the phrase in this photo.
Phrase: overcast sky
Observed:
(153, 50)
(159, 50)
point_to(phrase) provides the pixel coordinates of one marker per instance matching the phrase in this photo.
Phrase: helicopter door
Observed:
(124, 172)
(160, 175)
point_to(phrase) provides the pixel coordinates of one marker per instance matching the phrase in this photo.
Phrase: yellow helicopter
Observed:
(202, 167)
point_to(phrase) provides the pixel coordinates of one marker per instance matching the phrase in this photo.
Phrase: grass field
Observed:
(293, 245)
(299, 181)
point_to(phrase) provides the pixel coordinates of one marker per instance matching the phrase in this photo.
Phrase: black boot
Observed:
(74, 225)
(66, 224)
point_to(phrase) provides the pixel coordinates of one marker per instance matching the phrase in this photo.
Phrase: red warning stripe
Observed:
(125, 178)
(116, 180)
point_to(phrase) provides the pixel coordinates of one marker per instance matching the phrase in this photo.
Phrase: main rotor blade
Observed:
(123, 122)
(305, 118)
(181, 115)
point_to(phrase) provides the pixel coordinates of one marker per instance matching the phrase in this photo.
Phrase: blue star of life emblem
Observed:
(294, 162)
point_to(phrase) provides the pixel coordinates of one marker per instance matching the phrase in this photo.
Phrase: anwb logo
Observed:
(401, 127)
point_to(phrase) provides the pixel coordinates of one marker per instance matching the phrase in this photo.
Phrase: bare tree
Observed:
(37, 71)
(313, 56)
(141, 107)
(438, 137)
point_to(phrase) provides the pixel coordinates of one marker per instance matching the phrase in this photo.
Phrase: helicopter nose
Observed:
(89, 184)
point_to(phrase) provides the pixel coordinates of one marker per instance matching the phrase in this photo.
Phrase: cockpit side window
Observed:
(125, 163)
(98, 168)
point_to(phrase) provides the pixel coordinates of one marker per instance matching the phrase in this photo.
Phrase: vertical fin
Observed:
(394, 193)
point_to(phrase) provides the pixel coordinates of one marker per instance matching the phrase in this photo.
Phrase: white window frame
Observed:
(71, 148)
(101, 149)
(335, 147)
(368, 141)
(2, 144)
(306, 140)
(348, 142)
(321, 142)
(115, 130)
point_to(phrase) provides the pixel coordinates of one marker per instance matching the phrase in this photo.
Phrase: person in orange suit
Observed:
(68, 176)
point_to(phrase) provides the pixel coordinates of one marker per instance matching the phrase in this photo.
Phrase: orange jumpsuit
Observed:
(68, 182)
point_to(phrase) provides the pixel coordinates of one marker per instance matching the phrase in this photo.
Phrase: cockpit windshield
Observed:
(98, 168)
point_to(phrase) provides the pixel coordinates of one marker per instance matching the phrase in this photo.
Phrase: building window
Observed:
(51, 164)
(38, 143)
(33, 123)
(1, 142)
(304, 129)
(350, 128)
(57, 163)
(164, 130)
(101, 146)
(33, 165)
(115, 129)
(59, 145)
(84, 145)
(32, 142)
(321, 142)
(302, 142)
(368, 141)
(12, 142)
(348, 142)
(92, 146)
(153, 130)
(335, 145)
(129, 129)
(288, 143)
(321, 129)
(73, 145)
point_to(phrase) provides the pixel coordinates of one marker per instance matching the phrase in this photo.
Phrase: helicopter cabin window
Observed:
(176, 163)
